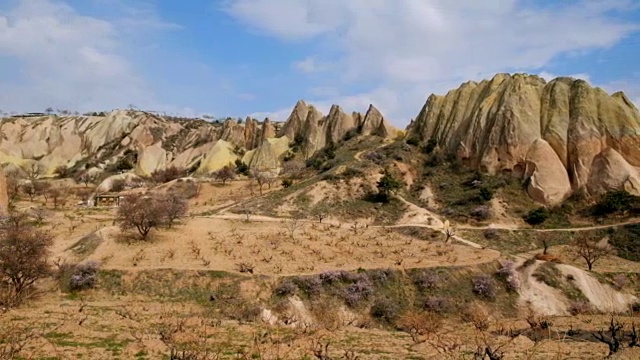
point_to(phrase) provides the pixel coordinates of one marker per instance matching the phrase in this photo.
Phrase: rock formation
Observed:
(374, 123)
(495, 126)
(220, 155)
(151, 159)
(314, 130)
(294, 123)
(548, 179)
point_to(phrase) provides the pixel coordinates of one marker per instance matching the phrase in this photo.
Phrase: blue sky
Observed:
(241, 57)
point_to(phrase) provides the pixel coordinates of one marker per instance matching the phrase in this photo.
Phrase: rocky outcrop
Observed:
(492, 125)
(128, 180)
(295, 122)
(233, 133)
(548, 180)
(96, 141)
(338, 124)
(313, 130)
(220, 155)
(374, 123)
(610, 171)
(252, 134)
(151, 159)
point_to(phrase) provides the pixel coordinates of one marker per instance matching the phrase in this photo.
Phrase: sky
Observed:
(258, 57)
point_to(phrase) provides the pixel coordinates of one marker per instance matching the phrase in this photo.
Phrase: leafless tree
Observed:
(34, 170)
(42, 188)
(86, 178)
(55, 194)
(320, 214)
(591, 251)
(293, 169)
(24, 250)
(173, 206)
(62, 171)
(293, 224)
(260, 177)
(142, 213)
(29, 189)
(13, 185)
(225, 174)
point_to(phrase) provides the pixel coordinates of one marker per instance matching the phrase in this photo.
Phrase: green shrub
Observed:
(612, 202)
(241, 167)
(386, 310)
(536, 216)
(430, 146)
(486, 194)
(414, 141)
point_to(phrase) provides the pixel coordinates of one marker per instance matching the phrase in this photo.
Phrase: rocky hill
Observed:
(146, 142)
(563, 136)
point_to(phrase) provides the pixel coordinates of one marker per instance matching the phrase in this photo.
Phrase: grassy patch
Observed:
(219, 291)
(550, 275)
(86, 245)
(389, 293)
(626, 241)
(517, 241)
(110, 344)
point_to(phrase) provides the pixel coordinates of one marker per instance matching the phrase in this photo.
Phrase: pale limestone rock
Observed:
(374, 123)
(66, 140)
(338, 124)
(491, 125)
(548, 180)
(610, 171)
(220, 155)
(131, 180)
(151, 159)
(294, 124)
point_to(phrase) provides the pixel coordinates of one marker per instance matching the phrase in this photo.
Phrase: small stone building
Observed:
(107, 200)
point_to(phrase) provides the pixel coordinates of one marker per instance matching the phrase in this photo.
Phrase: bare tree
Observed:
(616, 333)
(62, 171)
(293, 224)
(320, 214)
(24, 250)
(13, 185)
(30, 190)
(591, 251)
(34, 170)
(42, 188)
(168, 174)
(86, 178)
(260, 177)
(293, 169)
(224, 174)
(141, 212)
(54, 194)
(173, 206)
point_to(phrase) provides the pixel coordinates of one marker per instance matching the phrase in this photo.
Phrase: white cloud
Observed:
(403, 48)
(66, 60)
(310, 65)
(549, 76)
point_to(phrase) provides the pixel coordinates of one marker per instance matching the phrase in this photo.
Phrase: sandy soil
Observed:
(101, 325)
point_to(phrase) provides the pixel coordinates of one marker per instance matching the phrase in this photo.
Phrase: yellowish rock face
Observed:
(493, 125)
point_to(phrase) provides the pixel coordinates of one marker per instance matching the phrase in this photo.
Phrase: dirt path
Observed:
(586, 228)
(358, 155)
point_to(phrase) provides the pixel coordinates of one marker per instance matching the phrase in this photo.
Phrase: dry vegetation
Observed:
(238, 267)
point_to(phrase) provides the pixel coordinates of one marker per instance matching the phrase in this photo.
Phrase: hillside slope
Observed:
(564, 136)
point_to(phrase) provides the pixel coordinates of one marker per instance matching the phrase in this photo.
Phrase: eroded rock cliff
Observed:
(516, 122)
